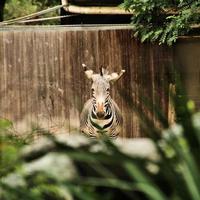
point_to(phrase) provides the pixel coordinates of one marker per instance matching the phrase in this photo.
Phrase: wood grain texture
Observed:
(42, 81)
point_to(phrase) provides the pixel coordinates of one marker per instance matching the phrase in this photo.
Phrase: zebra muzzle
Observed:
(100, 111)
(100, 115)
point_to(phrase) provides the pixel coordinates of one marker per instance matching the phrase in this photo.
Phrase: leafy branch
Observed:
(162, 20)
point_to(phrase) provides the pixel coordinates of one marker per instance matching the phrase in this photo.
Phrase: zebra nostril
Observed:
(100, 115)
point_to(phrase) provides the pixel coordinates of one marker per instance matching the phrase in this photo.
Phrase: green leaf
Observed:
(5, 124)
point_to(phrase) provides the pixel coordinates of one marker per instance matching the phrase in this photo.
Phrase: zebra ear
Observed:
(115, 76)
(88, 73)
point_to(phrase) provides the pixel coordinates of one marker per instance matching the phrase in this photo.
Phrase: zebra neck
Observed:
(101, 123)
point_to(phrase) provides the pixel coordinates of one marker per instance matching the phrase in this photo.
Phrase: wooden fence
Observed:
(42, 80)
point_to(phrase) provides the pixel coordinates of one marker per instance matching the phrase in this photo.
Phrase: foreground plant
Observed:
(75, 167)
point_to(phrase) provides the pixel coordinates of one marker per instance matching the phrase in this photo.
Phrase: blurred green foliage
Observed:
(19, 8)
(85, 169)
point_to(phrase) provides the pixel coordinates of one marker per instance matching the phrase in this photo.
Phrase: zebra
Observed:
(100, 112)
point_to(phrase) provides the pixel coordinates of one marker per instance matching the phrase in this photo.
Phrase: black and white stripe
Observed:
(110, 124)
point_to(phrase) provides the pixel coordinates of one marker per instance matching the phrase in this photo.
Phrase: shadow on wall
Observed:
(187, 57)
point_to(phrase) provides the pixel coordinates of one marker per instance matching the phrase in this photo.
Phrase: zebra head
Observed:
(101, 90)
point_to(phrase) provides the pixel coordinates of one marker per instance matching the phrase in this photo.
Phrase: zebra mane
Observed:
(103, 71)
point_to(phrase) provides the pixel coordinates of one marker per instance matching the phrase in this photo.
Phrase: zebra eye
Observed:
(108, 89)
(92, 89)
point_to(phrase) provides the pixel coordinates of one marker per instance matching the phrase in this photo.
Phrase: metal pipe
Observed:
(94, 10)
